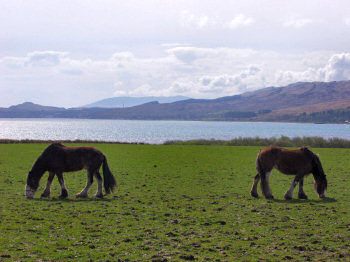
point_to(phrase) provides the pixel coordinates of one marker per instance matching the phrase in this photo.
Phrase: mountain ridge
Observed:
(267, 104)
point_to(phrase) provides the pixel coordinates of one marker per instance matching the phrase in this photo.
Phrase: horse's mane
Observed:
(52, 147)
(56, 144)
(38, 164)
(306, 149)
(308, 152)
(315, 160)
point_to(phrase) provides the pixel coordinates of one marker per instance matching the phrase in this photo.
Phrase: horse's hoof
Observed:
(302, 196)
(81, 196)
(269, 197)
(45, 194)
(253, 194)
(99, 195)
(64, 194)
(287, 197)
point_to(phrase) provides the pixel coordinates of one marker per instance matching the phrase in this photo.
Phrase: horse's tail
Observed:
(258, 164)
(109, 181)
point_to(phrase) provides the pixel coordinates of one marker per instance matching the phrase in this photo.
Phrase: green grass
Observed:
(173, 203)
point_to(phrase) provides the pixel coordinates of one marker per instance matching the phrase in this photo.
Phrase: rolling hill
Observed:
(268, 104)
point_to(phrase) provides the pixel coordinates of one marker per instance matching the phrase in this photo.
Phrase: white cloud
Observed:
(37, 58)
(189, 54)
(201, 21)
(297, 23)
(45, 58)
(240, 20)
(190, 20)
(192, 54)
(13, 62)
(225, 80)
(189, 70)
(122, 56)
(209, 86)
(338, 68)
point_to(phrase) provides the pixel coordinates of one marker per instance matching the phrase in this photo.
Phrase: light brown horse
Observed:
(58, 158)
(300, 163)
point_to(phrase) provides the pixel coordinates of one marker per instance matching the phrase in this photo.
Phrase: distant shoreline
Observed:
(284, 141)
(78, 141)
(186, 120)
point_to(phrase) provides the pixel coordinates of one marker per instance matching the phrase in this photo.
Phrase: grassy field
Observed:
(174, 203)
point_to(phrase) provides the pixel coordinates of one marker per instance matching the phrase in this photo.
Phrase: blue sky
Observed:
(71, 53)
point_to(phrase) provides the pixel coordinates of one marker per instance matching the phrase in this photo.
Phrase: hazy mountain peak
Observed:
(30, 106)
(122, 102)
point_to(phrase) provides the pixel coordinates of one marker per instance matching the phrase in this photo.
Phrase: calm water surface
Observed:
(157, 132)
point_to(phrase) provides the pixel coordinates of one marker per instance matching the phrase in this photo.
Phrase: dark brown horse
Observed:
(300, 163)
(58, 158)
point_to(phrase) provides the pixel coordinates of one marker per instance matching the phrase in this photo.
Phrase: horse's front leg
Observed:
(90, 179)
(47, 190)
(99, 192)
(289, 194)
(301, 193)
(64, 192)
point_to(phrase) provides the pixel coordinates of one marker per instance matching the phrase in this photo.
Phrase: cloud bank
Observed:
(57, 78)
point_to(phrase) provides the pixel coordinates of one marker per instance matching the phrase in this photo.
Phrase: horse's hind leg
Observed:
(64, 192)
(254, 190)
(301, 193)
(99, 192)
(265, 187)
(47, 190)
(90, 179)
(289, 194)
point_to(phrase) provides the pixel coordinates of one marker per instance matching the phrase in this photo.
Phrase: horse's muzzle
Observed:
(29, 192)
(322, 195)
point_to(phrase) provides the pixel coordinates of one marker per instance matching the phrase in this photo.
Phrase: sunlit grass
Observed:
(174, 203)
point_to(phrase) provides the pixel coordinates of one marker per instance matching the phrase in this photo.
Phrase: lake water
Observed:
(157, 132)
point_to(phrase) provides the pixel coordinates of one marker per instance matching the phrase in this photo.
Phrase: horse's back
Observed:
(288, 161)
(267, 158)
(66, 159)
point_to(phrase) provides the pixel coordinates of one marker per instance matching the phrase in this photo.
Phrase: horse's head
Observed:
(321, 186)
(32, 184)
(320, 177)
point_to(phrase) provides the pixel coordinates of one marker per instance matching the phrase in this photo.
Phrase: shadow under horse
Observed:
(57, 158)
(300, 162)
